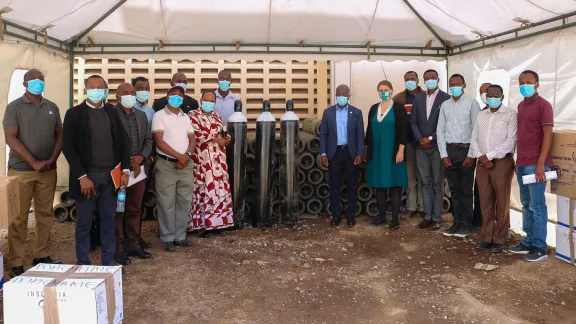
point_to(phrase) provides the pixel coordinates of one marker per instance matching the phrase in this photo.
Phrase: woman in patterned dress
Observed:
(212, 202)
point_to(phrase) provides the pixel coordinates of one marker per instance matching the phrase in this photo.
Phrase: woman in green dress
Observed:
(386, 138)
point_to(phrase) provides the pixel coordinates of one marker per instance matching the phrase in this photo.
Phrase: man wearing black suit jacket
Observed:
(424, 119)
(94, 142)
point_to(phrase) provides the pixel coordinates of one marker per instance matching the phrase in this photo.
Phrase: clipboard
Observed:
(116, 175)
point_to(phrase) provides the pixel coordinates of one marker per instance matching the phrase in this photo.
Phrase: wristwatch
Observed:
(189, 154)
(430, 138)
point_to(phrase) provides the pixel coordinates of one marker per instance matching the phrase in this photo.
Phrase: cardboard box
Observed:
(566, 211)
(565, 244)
(9, 200)
(563, 153)
(64, 294)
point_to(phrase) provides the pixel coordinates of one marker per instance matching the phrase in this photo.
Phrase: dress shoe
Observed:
(435, 226)
(16, 271)
(394, 227)
(425, 223)
(336, 221)
(378, 222)
(140, 253)
(483, 246)
(145, 245)
(122, 258)
(48, 260)
(351, 222)
(169, 247)
(497, 248)
(183, 243)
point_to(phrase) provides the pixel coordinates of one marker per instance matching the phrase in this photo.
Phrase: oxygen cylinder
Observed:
(289, 139)
(265, 136)
(237, 128)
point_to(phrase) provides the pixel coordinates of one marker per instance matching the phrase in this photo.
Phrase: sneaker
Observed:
(122, 258)
(48, 260)
(435, 226)
(483, 246)
(463, 232)
(476, 228)
(169, 247)
(451, 231)
(183, 243)
(536, 255)
(497, 248)
(16, 271)
(519, 249)
(425, 223)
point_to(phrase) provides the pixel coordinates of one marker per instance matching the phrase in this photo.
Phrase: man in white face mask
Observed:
(135, 123)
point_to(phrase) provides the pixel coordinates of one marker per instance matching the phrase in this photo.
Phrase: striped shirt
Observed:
(455, 123)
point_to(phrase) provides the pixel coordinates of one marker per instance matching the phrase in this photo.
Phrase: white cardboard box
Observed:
(79, 299)
(566, 208)
(563, 239)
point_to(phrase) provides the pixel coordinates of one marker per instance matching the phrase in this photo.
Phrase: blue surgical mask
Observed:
(142, 96)
(128, 101)
(95, 95)
(527, 90)
(431, 84)
(224, 85)
(175, 101)
(342, 101)
(208, 106)
(494, 102)
(106, 93)
(35, 86)
(456, 91)
(182, 85)
(411, 85)
(384, 95)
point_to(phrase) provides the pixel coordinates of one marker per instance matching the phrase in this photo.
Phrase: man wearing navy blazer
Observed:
(424, 119)
(342, 149)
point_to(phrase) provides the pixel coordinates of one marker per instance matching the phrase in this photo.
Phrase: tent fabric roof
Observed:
(337, 22)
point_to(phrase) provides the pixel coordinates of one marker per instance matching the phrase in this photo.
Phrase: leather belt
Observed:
(342, 147)
(167, 158)
(507, 156)
(458, 146)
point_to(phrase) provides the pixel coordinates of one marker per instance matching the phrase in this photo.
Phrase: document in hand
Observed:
(531, 178)
(135, 179)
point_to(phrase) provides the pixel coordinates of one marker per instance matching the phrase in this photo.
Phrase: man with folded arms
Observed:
(493, 141)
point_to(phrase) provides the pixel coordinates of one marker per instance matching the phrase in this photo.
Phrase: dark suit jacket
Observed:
(145, 142)
(188, 104)
(401, 124)
(421, 125)
(329, 136)
(76, 143)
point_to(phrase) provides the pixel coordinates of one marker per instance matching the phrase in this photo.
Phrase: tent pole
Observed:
(425, 23)
(97, 22)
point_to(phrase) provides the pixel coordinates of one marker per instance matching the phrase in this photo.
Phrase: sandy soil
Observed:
(319, 274)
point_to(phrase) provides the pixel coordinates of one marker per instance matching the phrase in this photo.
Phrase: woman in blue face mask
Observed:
(386, 138)
(212, 201)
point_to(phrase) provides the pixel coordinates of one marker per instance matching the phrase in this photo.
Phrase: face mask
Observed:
(175, 101)
(142, 96)
(106, 94)
(342, 101)
(207, 106)
(431, 84)
(128, 101)
(494, 102)
(95, 95)
(224, 85)
(384, 95)
(456, 91)
(483, 97)
(410, 85)
(527, 90)
(182, 85)
(35, 86)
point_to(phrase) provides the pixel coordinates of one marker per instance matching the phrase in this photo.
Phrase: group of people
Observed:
(414, 140)
(417, 138)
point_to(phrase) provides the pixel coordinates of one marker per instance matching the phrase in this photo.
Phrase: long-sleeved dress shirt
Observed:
(456, 122)
(495, 133)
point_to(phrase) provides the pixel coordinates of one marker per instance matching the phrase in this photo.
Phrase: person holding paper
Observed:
(94, 143)
(128, 223)
(493, 142)
(211, 208)
(535, 123)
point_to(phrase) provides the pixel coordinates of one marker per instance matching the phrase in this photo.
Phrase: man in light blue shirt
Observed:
(142, 87)
(342, 125)
(454, 131)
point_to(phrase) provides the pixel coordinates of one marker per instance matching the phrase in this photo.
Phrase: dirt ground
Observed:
(320, 274)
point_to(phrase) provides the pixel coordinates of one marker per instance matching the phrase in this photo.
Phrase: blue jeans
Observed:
(534, 210)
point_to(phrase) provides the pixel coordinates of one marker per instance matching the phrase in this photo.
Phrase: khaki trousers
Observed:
(40, 187)
(494, 186)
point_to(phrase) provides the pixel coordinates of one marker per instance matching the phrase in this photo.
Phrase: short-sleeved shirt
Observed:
(175, 128)
(532, 115)
(225, 106)
(36, 129)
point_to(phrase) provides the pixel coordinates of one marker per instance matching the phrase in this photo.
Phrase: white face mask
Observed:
(484, 100)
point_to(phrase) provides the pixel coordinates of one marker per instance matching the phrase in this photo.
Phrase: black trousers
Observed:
(461, 182)
(342, 165)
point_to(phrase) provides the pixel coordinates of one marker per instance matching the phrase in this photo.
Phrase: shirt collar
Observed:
(91, 106)
(27, 100)
(434, 93)
(229, 95)
(532, 100)
(168, 112)
(463, 96)
(343, 109)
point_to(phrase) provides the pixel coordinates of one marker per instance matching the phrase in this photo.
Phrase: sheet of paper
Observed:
(531, 178)
(135, 179)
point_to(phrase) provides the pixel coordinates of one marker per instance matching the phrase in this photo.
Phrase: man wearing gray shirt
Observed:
(454, 131)
(33, 131)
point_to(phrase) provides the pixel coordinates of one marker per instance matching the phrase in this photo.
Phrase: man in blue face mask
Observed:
(342, 149)
(142, 88)
(455, 123)
(178, 79)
